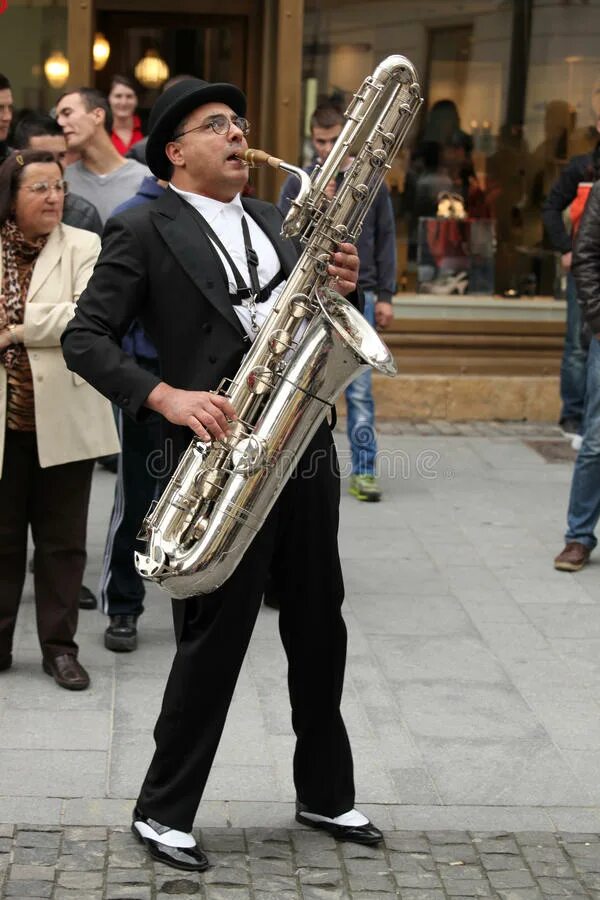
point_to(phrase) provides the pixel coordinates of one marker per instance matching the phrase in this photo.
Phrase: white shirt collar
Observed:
(210, 208)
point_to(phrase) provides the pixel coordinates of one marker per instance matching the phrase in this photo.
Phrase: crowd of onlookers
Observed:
(62, 175)
(92, 152)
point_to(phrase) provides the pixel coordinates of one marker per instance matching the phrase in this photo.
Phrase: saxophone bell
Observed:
(367, 345)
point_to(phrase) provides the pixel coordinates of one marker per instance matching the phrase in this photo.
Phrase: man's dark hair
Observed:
(35, 125)
(4, 83)
(326, 117)
(92, 99)
(11, 173)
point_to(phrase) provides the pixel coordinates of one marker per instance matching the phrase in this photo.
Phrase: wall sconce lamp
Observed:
(151, 70)
(100, 51)
(56, 69)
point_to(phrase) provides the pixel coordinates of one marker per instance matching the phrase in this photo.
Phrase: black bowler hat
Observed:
(175, 104)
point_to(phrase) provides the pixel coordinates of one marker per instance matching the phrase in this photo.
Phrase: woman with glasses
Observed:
(52, 423)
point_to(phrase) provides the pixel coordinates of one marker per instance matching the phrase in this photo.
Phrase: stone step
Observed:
(467, 397)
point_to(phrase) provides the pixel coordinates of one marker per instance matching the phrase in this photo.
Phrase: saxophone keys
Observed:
(378, 158)
(322, 263)
(152, 563)
(300, 306)
(360, 192)
(280, 341)
(260, 380)
(249, 456)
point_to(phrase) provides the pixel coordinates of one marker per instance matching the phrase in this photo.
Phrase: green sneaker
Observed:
(365, 487)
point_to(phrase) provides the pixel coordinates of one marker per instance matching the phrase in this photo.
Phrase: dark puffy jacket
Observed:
(586, 261)
(80, 213)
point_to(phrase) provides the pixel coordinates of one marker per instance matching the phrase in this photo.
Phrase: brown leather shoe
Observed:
(573, 557)
(67, 672)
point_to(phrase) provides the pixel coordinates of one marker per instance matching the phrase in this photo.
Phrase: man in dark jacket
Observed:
(6, 116)
(38, 132)
(122, 589)
(570, 190)
(376, 248)
(584, 500)
(183, 265)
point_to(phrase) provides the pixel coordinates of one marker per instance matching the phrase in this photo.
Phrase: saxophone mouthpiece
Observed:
(255, 158)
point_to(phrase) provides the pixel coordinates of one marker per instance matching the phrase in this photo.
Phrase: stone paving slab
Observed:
(490, 428)
(277, 864)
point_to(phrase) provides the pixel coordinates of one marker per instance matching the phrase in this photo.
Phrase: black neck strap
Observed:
(251, 256)
(243, 291)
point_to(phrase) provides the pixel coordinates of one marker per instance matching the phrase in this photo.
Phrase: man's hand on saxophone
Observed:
(344, 269)
(207, 414)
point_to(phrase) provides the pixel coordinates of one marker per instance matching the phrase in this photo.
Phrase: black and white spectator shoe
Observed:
(351, 826)
(170, 847)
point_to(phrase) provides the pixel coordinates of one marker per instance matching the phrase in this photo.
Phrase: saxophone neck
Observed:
(292, 223)
(255, 158)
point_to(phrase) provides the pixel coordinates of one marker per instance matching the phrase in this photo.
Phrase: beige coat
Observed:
(73, 421)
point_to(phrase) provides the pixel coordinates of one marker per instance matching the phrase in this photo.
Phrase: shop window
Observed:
(512, 92)
(22, 60)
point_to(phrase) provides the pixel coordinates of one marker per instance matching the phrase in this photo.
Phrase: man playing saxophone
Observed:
(185, 266)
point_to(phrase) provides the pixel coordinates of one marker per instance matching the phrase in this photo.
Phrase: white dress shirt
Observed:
(225, 219)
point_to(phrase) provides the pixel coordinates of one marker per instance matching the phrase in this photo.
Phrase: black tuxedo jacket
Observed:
(157, 266)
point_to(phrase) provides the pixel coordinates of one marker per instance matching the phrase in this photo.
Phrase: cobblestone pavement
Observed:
(260, 864)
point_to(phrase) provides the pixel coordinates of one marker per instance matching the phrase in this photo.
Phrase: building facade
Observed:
(511, 87)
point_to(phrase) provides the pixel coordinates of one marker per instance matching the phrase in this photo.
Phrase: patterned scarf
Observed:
(18, 260)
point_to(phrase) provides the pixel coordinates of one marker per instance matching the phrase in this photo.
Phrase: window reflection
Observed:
(512, 93)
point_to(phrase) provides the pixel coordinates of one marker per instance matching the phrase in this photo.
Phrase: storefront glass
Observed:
(30, 32)
(512, 92)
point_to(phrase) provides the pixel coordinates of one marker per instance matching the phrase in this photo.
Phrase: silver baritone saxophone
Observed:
(310, 347)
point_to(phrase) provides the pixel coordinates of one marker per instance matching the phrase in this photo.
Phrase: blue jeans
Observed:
(573, 365)
(361, 411)
(584, 501)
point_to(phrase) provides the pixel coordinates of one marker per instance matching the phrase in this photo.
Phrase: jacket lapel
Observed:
(48, 258)
(189, 247)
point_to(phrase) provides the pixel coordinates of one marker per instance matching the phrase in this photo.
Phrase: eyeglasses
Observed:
(220, 125)
(44, 187)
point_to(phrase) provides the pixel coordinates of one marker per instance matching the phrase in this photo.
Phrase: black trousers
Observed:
(213, 632)
(122, 590)
(54, 502)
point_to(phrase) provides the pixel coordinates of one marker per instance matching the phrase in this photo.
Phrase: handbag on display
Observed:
(450, 206)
